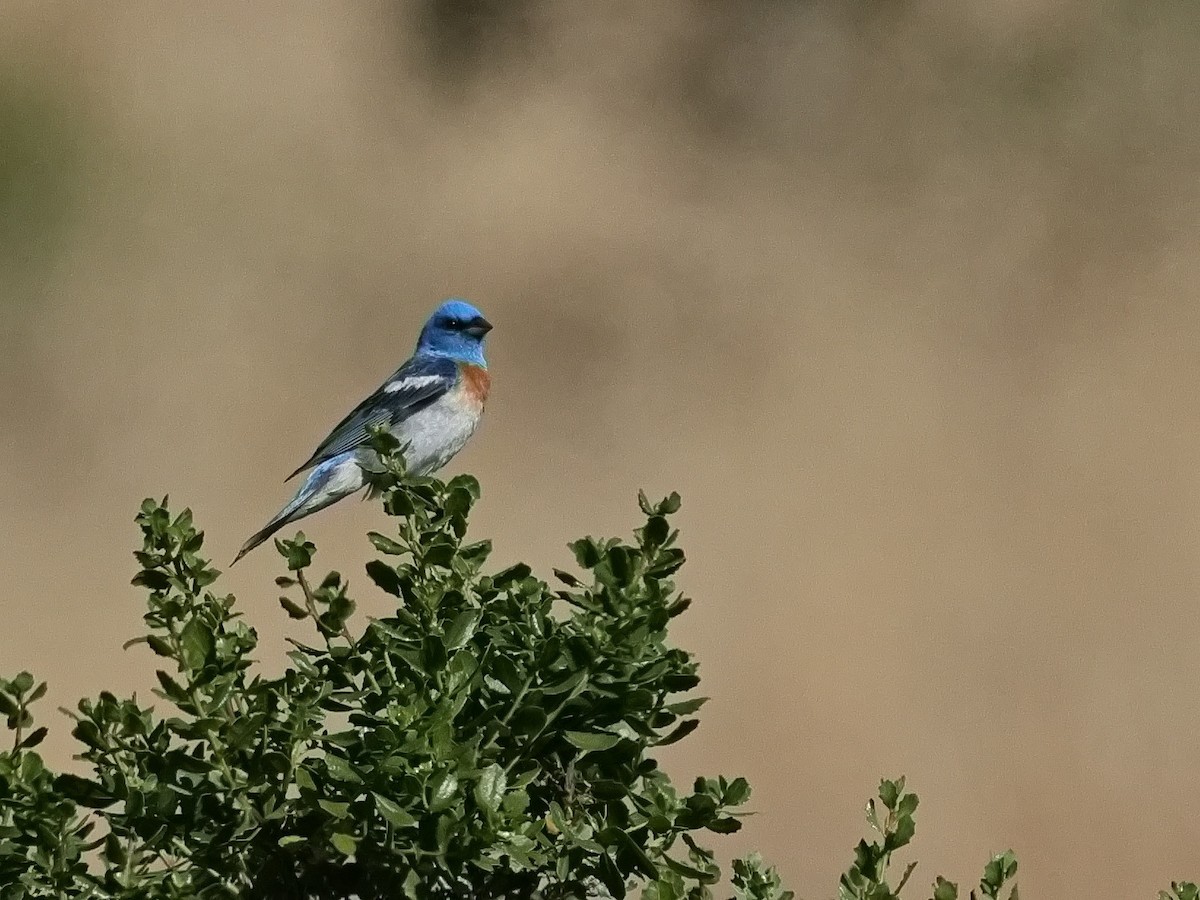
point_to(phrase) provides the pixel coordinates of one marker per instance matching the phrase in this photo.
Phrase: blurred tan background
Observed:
(901, 296)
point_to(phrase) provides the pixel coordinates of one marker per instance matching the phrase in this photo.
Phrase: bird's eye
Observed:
(455, 324)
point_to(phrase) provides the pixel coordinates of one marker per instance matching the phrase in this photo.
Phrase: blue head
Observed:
(455, 330)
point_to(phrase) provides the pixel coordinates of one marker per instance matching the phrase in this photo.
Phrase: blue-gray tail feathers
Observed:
(329, 482)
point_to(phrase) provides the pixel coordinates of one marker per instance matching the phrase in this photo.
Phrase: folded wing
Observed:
(414, 386)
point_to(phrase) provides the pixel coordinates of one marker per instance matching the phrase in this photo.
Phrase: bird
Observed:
(432, 404)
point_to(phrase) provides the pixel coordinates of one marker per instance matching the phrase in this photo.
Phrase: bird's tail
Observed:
(329, 482)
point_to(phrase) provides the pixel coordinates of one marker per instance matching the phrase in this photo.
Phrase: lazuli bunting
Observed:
(432, 404)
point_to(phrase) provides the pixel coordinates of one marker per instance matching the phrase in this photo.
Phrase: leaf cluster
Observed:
(893, 820)
(488, 735)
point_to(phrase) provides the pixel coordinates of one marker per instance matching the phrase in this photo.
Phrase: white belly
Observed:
(433, 435)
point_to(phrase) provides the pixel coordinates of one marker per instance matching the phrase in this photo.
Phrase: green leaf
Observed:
(655, 531)
(340, 770)
(529, 720)
(172, 690)
(398, 817)
(385, 577)
(298, 552)
(644, 503)
(465, 482)
(34, 738)
(704, 876)
(443, 790)
(669, 562)
(611, 877)
(908, 870)
(462, 628)
(724, 825)
(458, 502)
(84, 792)
(511, 575)
(631, 849)
(900, 835)
(294, 611)
(489, 790)
(335, 808)
(385, 544)
(944, 890)
(682, 730)
(889, 791)
(87, 731)
(567, 578)
(738, 792)
(433, 653)
(114, 851)
(341, 608)
(516, 802)
(195, 643)
(345, 844)
(22, 682)
(570, 683)
(506, 671)
(443, 830)
(439, 553)
(153, 579)
(607, 789)
(679, 682)
(159, 645)
(398, 503)
(999, 869)
(587, 554)
(620, 563)
(587, 740)
(304, 779)
(474, 555)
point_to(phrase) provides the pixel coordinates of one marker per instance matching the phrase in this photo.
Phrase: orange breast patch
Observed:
(476, 383)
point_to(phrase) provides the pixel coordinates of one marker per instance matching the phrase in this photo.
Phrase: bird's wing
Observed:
(414, 386)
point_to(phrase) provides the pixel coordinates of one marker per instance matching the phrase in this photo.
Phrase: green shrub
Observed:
(490, 737)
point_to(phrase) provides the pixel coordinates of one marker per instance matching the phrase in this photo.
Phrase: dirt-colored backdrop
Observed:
(901, 296)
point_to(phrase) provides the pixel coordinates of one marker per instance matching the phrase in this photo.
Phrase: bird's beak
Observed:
(478, 327)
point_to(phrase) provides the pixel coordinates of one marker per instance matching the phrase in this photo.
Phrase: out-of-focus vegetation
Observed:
(42, 143)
